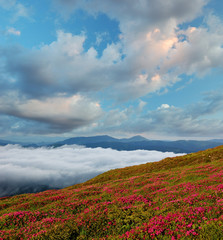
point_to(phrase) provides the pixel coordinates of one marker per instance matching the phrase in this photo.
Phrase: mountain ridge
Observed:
(129, 144)
(139, 142)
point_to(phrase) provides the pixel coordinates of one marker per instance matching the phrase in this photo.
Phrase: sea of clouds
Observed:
(36, 169)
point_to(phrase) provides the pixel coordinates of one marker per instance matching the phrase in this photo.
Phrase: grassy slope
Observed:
(176, 198)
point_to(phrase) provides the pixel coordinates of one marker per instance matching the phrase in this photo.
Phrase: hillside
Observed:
(176, 198)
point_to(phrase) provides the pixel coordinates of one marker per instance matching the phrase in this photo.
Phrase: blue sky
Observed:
(122, 68)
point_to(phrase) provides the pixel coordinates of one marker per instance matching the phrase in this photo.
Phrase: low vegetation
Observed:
(176, 198)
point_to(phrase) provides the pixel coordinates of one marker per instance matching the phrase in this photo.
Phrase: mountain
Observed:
(217, 140)
(139, 142)
(129, 144)
(86, 140)
(137, 138)
(176, 198)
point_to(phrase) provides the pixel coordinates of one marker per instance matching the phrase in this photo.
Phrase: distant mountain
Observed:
(86, 140)
(129, 144)
(137, 138)
(139, 142)
(217, 140)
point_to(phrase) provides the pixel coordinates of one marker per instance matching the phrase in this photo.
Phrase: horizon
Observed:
(86, 68)
(58, 139)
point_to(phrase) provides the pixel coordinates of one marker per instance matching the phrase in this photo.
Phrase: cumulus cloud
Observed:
(199, 51)
(61, 67)
(21, 168)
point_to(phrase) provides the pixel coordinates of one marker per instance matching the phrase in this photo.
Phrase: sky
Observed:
(132, 67)
(61, 167)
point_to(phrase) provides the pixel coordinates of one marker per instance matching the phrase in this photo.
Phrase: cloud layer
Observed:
(57, 168)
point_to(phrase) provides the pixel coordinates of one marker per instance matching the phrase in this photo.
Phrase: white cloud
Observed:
(13, 31)
(65, 166)
(163, 106)
(200, 51)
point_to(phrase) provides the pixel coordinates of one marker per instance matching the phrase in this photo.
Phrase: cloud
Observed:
(21, 11)
(199, 51)
(151, 55)
(13, 31)
(196, 120)
(163, 106)
(65, 66)
(146, 13)
(152, 59)
(61, 167)
(61, 113)
(7, 4)
(61, 67)
(153, 40)
(100, 37)
(202, 119)
(211, 104)
(18, 9)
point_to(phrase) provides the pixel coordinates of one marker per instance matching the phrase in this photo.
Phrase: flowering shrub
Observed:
(176, 198)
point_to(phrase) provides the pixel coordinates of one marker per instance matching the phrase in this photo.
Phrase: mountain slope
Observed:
(176, 198)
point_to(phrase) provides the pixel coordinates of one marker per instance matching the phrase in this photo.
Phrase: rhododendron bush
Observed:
(176, 198)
